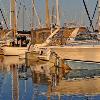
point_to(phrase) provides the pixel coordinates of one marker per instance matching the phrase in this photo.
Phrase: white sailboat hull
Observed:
(14, 51)
(84, 53)
(80, 57)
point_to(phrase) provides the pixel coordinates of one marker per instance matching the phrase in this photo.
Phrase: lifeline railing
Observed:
(76, 42)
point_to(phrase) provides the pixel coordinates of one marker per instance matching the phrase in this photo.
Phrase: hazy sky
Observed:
(70, 10)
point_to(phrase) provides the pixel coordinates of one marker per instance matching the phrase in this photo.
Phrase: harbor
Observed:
(43, 81)
(49, 50)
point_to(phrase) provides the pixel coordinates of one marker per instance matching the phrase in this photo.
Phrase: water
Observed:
(37, 82)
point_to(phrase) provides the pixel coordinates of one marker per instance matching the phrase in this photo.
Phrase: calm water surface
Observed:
(37, 82)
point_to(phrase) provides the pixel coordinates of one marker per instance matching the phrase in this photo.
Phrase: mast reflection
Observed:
(15, 82)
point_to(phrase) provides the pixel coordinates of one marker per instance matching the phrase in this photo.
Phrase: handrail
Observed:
(70, 41)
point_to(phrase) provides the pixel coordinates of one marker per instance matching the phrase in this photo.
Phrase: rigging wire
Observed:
(91, 24)
(29, 16)
(96, 23)
(20, 4)
(95, 12)
(4, 18)
(25, 8)
(39, 22)
(4, 13)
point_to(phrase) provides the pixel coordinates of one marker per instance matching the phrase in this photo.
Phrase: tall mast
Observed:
(33, 14)
(99, 14)
(57, 11)
(13, 17)
(52, 19)
(47, 14)
(23, 17)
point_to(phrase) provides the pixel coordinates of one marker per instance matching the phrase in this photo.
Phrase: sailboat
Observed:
(76, 48)
(84, 46)
(44, 49)
(10, 48)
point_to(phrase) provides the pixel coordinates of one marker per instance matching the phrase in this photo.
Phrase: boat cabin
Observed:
(86, 36)
(22, 39)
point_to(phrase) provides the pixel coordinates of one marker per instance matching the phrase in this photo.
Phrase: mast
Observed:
(99, 15)
(57, 11)
(47, 14)
(52, 18)
(23, 17)
(13, 17)
(33, 14)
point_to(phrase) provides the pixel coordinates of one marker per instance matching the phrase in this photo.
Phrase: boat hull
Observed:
(14, 51)
(84, 53)
(86, 57)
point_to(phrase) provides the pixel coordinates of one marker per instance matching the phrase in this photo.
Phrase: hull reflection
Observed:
(44, 81)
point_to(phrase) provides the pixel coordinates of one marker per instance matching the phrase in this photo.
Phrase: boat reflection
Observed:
(44, 81)
(15, 83)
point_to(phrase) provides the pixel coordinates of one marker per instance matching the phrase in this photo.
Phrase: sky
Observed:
(70, 11)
